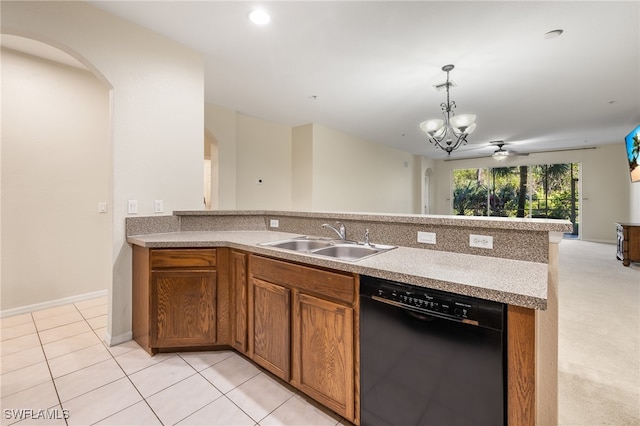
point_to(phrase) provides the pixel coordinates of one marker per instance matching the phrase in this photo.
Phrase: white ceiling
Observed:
(368, 67)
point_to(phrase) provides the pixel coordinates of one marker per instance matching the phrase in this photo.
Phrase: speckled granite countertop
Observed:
(488, 222)
(514, 282)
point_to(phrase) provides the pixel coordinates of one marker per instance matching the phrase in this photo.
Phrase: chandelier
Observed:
(450, 133)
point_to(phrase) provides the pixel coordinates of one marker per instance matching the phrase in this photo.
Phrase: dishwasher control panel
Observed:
(433, 302)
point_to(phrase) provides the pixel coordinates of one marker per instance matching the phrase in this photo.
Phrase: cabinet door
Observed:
(269, 327)
(633, 240)
(183, 308)
(323, 351)
(239, 301)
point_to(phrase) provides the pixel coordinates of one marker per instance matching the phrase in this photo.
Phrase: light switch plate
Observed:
(102, 207)
(481, 241)
(158, 206)
(426, 237)
(132, 206)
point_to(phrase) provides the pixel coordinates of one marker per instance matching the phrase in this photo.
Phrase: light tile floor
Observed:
(54, 363)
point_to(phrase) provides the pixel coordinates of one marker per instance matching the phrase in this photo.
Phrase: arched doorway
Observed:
(426, 196)
(56, 177)
(211, 180)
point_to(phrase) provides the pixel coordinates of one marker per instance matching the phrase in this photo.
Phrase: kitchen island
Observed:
(520, 271)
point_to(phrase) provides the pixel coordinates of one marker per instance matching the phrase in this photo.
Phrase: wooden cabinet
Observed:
(298, 322)
(302, 329)
(238, 274)
(270, 327)
(183, 306)
(628, 248)
(174, 298)
(323, 348)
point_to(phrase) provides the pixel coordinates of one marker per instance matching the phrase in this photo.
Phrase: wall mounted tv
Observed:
(632, 142)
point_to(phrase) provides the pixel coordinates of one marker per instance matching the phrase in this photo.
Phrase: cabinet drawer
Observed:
(188, 258)
(334, 285)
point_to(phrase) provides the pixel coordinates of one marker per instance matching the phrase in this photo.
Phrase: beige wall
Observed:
(351, 174)
(605, 185)
(309, 167)
(157, 118)
(56, 168)
(221, 124)
(302, 168)
(634, 201)
(263, 175)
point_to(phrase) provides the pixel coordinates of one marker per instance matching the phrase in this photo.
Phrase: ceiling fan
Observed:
(501, 153)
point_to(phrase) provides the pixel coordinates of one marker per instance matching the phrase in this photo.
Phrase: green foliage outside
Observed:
(499, 191)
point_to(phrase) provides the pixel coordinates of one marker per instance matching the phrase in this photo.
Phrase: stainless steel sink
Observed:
(300, 244)
(349, 251)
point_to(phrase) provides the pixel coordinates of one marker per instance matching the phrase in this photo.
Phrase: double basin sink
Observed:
(349, 251)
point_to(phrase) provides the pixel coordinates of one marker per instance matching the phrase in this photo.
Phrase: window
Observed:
(538, 191)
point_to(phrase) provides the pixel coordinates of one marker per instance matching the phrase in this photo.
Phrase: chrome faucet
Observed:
(342, 233)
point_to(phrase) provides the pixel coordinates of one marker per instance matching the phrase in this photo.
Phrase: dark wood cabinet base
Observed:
(628, 243)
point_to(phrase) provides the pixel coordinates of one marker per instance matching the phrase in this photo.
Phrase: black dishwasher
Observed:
(429, 357)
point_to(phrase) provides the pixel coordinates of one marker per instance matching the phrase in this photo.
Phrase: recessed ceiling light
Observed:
(259, 17)
(553, 34)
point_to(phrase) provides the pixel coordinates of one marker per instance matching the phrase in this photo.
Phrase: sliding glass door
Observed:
(536, 191)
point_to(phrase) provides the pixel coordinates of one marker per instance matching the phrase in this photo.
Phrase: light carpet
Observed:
(599, 336)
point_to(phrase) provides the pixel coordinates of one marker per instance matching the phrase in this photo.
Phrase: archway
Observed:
(211, 179)
(426, 196)
(56, 178)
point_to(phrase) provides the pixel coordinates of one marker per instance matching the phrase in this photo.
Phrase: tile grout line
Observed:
(222, 394)
(53, 382)
(125, 375)
(179, 355)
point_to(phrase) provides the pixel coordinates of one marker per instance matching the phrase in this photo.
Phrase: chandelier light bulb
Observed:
(432, 127)
(463, 122)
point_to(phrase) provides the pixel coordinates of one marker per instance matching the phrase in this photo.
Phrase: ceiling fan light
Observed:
(434, 127)
(501, 154)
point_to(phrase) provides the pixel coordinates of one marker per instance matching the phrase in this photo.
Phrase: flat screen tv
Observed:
(632, 142)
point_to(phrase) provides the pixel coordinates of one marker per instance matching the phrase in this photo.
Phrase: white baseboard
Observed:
(116, 340)
(51, 303)
(601, 241)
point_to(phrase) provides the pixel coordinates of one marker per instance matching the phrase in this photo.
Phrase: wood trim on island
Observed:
(521, 363)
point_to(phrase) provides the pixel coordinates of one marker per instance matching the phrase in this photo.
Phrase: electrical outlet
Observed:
(132, 206)
(102, 207)
(426, 237)
(481, 241)
(158, 206)
(274, 223)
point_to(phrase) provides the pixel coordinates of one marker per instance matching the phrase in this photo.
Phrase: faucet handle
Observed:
(366, 237)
